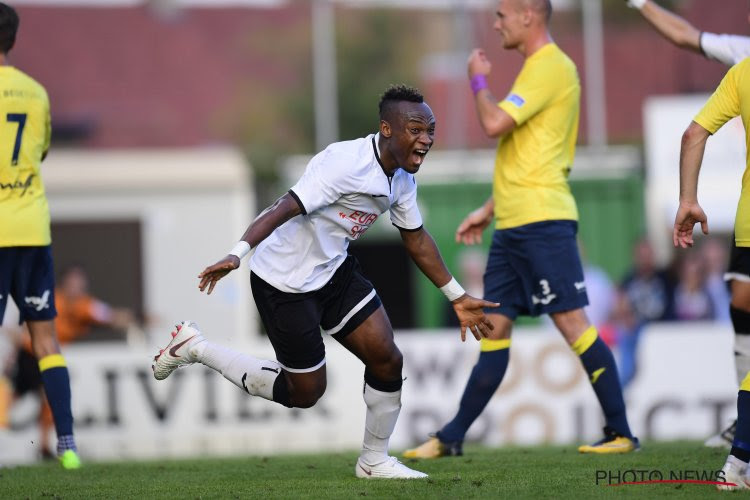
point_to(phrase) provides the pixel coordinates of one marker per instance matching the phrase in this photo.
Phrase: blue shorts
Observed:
(535, 269)
(27, 275)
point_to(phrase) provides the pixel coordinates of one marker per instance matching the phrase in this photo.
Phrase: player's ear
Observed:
(385, 128)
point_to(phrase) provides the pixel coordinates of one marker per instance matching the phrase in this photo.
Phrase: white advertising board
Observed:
(685, 389)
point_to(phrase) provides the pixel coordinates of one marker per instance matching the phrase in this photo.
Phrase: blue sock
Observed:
(741, 443)
(600, 365)
(483, 382)
(57, 389)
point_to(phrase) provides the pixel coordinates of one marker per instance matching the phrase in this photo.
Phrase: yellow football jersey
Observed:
(24, 139)
(533, 161)
(732, 98)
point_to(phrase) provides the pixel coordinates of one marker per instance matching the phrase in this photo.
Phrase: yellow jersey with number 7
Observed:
(24, 140)
(732, 98)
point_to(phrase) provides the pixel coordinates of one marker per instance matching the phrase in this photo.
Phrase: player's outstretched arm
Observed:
(690, 212)
(272, 217)
(470, 310)
(469, 232)
(671, 26)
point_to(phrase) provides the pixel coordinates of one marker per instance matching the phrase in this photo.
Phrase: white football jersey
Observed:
(342, 193)
(729, 49)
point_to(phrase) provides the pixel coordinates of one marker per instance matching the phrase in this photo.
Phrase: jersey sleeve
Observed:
(723, 105)
(530, 93)
(404, 210)
(327, 177)
(728, 49)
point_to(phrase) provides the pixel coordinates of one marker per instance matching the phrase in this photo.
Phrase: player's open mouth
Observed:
(419, 155)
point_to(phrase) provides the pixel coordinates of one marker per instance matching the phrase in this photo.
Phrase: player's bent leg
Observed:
(258, 377)
(601, 368)
(56, 380)
(372, 342)
(483, 382)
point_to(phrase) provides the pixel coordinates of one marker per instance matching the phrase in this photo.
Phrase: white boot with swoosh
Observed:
(390, 469)
(178, 351)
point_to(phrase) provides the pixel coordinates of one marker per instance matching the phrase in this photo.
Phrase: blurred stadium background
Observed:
(176, 121)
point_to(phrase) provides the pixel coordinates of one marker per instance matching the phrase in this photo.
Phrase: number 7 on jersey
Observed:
(19, 118)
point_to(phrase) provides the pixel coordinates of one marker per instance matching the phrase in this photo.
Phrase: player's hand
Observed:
(688, 214)
(478, 64)
(470, 312)
(213, 274)
(469, 232)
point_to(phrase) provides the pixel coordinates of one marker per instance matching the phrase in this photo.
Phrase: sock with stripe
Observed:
(383, 400)
(600, 365)
(257, 377)
(484, 380)
(741, 443)
(56, 380)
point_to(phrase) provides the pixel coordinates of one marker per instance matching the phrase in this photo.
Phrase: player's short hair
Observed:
(543, 7)
(395, 94)
(8, 27)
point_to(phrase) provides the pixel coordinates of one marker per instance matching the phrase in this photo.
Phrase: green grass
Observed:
(508, 473)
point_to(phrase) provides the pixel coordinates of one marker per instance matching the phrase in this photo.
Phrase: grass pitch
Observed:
(539, 472)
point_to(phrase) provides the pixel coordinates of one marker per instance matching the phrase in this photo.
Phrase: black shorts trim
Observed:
(299, 202)
(358, 318)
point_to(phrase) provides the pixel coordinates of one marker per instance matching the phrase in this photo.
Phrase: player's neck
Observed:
(534, 43)
(3, 59)
(387, 163)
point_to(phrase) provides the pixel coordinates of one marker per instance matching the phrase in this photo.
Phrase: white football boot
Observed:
(734, 472)
(390, 469)
(178, 351)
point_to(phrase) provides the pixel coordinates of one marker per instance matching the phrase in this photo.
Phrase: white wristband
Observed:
(241, 249)
(452, 290)
(636, 4)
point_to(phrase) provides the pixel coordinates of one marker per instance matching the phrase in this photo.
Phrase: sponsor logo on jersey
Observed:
(38, 303)
(516, 99)
(580, 286)
(18, 184)
(362, 222)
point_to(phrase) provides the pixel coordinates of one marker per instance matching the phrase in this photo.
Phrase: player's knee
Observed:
(391, 365)
(306, 395)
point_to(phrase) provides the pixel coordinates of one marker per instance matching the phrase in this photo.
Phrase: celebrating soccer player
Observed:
(303, 279)
(533, 266)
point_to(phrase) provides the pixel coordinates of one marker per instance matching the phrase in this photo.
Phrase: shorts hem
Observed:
(302, 370)
(737, 276)
(354, 310)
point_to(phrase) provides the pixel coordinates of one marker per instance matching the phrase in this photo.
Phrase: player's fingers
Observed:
(475, 332)
(211, 286)
(704, 227)
(487, 323)
(463, 333)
